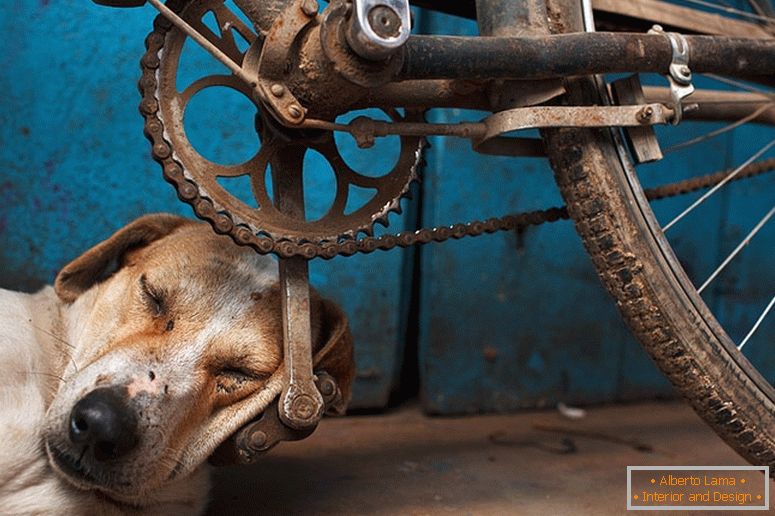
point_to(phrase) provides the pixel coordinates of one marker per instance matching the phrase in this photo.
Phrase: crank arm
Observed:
(301, 404)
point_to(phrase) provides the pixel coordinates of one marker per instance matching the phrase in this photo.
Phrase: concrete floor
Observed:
(530, 463)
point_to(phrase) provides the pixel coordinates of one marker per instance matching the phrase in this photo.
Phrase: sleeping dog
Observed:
(150, 350)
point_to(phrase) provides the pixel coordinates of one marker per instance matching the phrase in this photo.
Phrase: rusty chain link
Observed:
(223, 222)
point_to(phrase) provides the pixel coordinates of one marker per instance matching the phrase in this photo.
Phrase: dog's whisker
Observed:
(72, 359)
(44, 374)
(58, 339)
(51, 334)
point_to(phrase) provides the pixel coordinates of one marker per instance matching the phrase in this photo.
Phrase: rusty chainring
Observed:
(265, 227)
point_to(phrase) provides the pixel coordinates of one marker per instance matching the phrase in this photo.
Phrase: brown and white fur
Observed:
(182, 329)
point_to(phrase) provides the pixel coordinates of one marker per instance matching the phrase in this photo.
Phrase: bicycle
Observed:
(541, 65)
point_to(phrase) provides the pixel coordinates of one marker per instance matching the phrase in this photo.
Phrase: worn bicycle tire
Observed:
(639, 270)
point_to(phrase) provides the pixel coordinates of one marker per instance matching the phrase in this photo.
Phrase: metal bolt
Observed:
(327, 387)
(257, 440)
(294, 110)
(645, 114)
(277, 90)
(309, 7)
(385, 22)
(303, 407)
(685, 71)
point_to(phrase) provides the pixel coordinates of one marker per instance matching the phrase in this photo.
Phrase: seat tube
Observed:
(511, 18)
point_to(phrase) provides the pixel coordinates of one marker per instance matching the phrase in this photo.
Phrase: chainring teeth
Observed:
(223, 221)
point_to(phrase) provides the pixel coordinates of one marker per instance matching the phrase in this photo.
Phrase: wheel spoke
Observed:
(757, 323)
(243, 169)
(713, 190)
(737, 249)
(229, 21)
(738, 84)
(720, 131)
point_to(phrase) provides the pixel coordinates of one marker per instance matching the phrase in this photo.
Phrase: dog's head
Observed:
(176, 342)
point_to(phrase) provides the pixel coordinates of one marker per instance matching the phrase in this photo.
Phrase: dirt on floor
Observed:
(530, 463)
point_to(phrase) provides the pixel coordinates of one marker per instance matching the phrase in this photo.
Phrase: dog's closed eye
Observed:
(231, 378)
(152, 297)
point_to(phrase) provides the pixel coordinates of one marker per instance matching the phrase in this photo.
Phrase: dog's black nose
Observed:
(102, 420)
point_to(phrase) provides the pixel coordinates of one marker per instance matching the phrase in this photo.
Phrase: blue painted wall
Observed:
(505, 320)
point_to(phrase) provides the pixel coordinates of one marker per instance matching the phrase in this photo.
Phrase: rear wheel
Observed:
(667, 308)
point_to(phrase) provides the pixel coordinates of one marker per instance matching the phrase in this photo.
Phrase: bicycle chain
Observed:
(223, 223)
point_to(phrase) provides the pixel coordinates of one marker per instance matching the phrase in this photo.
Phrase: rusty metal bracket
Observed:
(679, 73)
(518, 119)
(268, 64)
(265, 433)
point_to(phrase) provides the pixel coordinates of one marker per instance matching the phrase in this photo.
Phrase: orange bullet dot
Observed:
(635, 497)
(742, 481)
(758, 497)
(653, 481)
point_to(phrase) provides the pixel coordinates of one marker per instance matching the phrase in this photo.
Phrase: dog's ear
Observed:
(101, 260)
(334, 350)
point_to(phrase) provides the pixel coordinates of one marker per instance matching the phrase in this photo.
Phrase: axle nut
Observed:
(385, 22)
